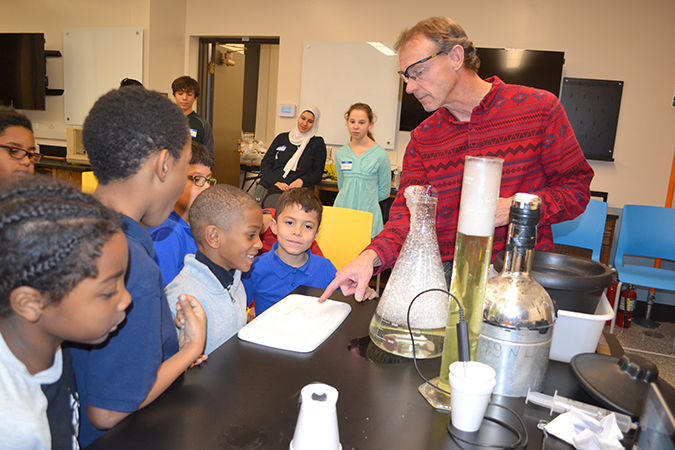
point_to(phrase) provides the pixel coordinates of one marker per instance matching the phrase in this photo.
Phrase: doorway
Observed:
(239, 77)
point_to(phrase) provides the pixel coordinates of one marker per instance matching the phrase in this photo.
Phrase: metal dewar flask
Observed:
(518, 313)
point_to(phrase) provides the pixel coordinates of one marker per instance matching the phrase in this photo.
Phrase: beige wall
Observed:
(51, 17)
(166, 43)
(605, 39)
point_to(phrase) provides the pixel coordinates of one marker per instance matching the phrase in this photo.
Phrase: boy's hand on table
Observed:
(199, 360)
(192, 323)
(250, 314)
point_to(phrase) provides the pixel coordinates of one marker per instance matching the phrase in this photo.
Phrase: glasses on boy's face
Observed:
(200, 181)
(417, 72)
(19, 153)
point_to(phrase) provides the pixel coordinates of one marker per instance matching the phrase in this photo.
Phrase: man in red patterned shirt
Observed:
(526, 127)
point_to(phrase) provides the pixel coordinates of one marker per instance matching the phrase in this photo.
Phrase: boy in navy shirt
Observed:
(139, 149)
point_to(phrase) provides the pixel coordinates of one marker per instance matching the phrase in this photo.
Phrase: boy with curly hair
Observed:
(139, 148)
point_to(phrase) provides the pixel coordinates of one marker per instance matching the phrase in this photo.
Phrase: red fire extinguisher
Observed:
(624, 318)
(611, 292)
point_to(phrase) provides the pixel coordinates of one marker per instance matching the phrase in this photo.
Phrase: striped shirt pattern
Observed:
(526, 127)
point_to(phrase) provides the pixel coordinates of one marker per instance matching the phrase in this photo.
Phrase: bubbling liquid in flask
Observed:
(418, 268)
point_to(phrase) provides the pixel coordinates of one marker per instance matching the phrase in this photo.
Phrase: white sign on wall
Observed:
(336, 75)
(95, 61)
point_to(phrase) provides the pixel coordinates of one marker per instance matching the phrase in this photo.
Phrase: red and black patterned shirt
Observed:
(526, 127)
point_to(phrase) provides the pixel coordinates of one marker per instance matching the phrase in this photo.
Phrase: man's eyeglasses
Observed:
(19, 153)
(200, 181)
(418, 72)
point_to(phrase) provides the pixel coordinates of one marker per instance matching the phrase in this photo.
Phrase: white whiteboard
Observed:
(336, 75)
(95, 60)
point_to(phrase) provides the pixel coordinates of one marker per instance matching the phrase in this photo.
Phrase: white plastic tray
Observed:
(297, 323)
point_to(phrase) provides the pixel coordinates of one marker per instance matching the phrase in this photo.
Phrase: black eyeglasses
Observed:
(19, 153)
(419, 72)
(200, 181)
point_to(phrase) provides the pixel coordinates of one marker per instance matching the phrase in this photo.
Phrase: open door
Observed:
(239, 85)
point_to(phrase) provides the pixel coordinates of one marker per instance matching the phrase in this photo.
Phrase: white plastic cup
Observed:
(317, 426)
(470, 393)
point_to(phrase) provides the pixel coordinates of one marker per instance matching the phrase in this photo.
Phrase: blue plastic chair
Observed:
(586, 231)
(646, 231)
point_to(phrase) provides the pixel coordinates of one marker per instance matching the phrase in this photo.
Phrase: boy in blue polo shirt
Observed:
(290, 263)
(139, 148)
(173, 239)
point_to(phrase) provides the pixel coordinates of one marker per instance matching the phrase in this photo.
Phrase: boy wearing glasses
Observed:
(17, 146)
(173, 238)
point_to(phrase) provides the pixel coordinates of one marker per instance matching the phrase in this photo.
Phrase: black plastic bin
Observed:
(574, 283)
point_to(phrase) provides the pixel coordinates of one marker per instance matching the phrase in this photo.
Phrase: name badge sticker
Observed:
(281, 148)
(345, 165)
(193, 133)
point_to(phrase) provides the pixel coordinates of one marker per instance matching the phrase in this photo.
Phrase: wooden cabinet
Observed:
(608, 239)
(62, 170)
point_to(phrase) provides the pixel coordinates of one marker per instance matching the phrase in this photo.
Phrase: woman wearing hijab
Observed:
(295, 159)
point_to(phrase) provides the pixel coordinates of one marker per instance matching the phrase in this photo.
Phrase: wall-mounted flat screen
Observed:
(22, 70)
(535, 68)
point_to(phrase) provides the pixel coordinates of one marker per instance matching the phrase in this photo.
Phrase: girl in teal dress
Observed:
(363, 167)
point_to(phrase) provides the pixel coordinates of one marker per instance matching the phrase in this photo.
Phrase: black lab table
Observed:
(246, 397)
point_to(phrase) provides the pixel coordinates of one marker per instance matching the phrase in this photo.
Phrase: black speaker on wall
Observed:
(592, 107)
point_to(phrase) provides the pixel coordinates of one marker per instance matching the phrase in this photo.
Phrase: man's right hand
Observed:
(354, 277)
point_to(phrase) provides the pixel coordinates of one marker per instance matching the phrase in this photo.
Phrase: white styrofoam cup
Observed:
(317, 426)
(470, 393)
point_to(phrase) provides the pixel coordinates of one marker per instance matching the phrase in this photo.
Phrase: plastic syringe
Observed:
(561, 405)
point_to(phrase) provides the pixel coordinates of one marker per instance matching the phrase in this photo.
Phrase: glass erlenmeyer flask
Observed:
(418, 268)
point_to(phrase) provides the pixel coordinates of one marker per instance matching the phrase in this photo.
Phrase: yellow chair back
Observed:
(344, 234)
(89, 182)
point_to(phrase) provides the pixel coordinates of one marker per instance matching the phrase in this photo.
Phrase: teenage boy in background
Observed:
(139, 149)
(186, 92)
(17, 146)
(173, 238)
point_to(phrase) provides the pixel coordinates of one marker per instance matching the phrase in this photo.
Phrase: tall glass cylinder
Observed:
(473, 249)
(418, 267)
